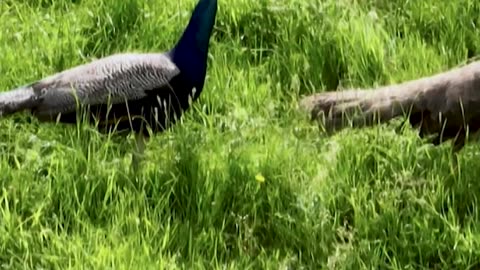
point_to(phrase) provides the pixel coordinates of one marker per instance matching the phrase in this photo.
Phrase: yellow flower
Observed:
(259, 177)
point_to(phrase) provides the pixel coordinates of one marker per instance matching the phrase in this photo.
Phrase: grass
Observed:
(245, 181)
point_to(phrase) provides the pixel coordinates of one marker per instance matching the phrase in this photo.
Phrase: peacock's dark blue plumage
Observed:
(190, 53)
(126, 91)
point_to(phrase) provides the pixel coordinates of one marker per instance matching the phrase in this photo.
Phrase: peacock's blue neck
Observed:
(191, 51)
(192, 64)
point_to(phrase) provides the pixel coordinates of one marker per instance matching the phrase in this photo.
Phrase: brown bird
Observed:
(444, 106)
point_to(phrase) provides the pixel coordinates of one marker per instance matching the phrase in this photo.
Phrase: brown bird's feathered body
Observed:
(445, 105)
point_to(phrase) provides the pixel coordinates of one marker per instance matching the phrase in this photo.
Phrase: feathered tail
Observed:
(18, 99)
(366, 107)
(361, 108)
(445, 105)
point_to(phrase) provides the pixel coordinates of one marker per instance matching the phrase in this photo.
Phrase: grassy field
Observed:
(245, 181)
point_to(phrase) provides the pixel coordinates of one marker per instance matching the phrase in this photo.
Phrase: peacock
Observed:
(125, 91)
(444, 106)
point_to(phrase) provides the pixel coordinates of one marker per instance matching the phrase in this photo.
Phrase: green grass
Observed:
(363, 199)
